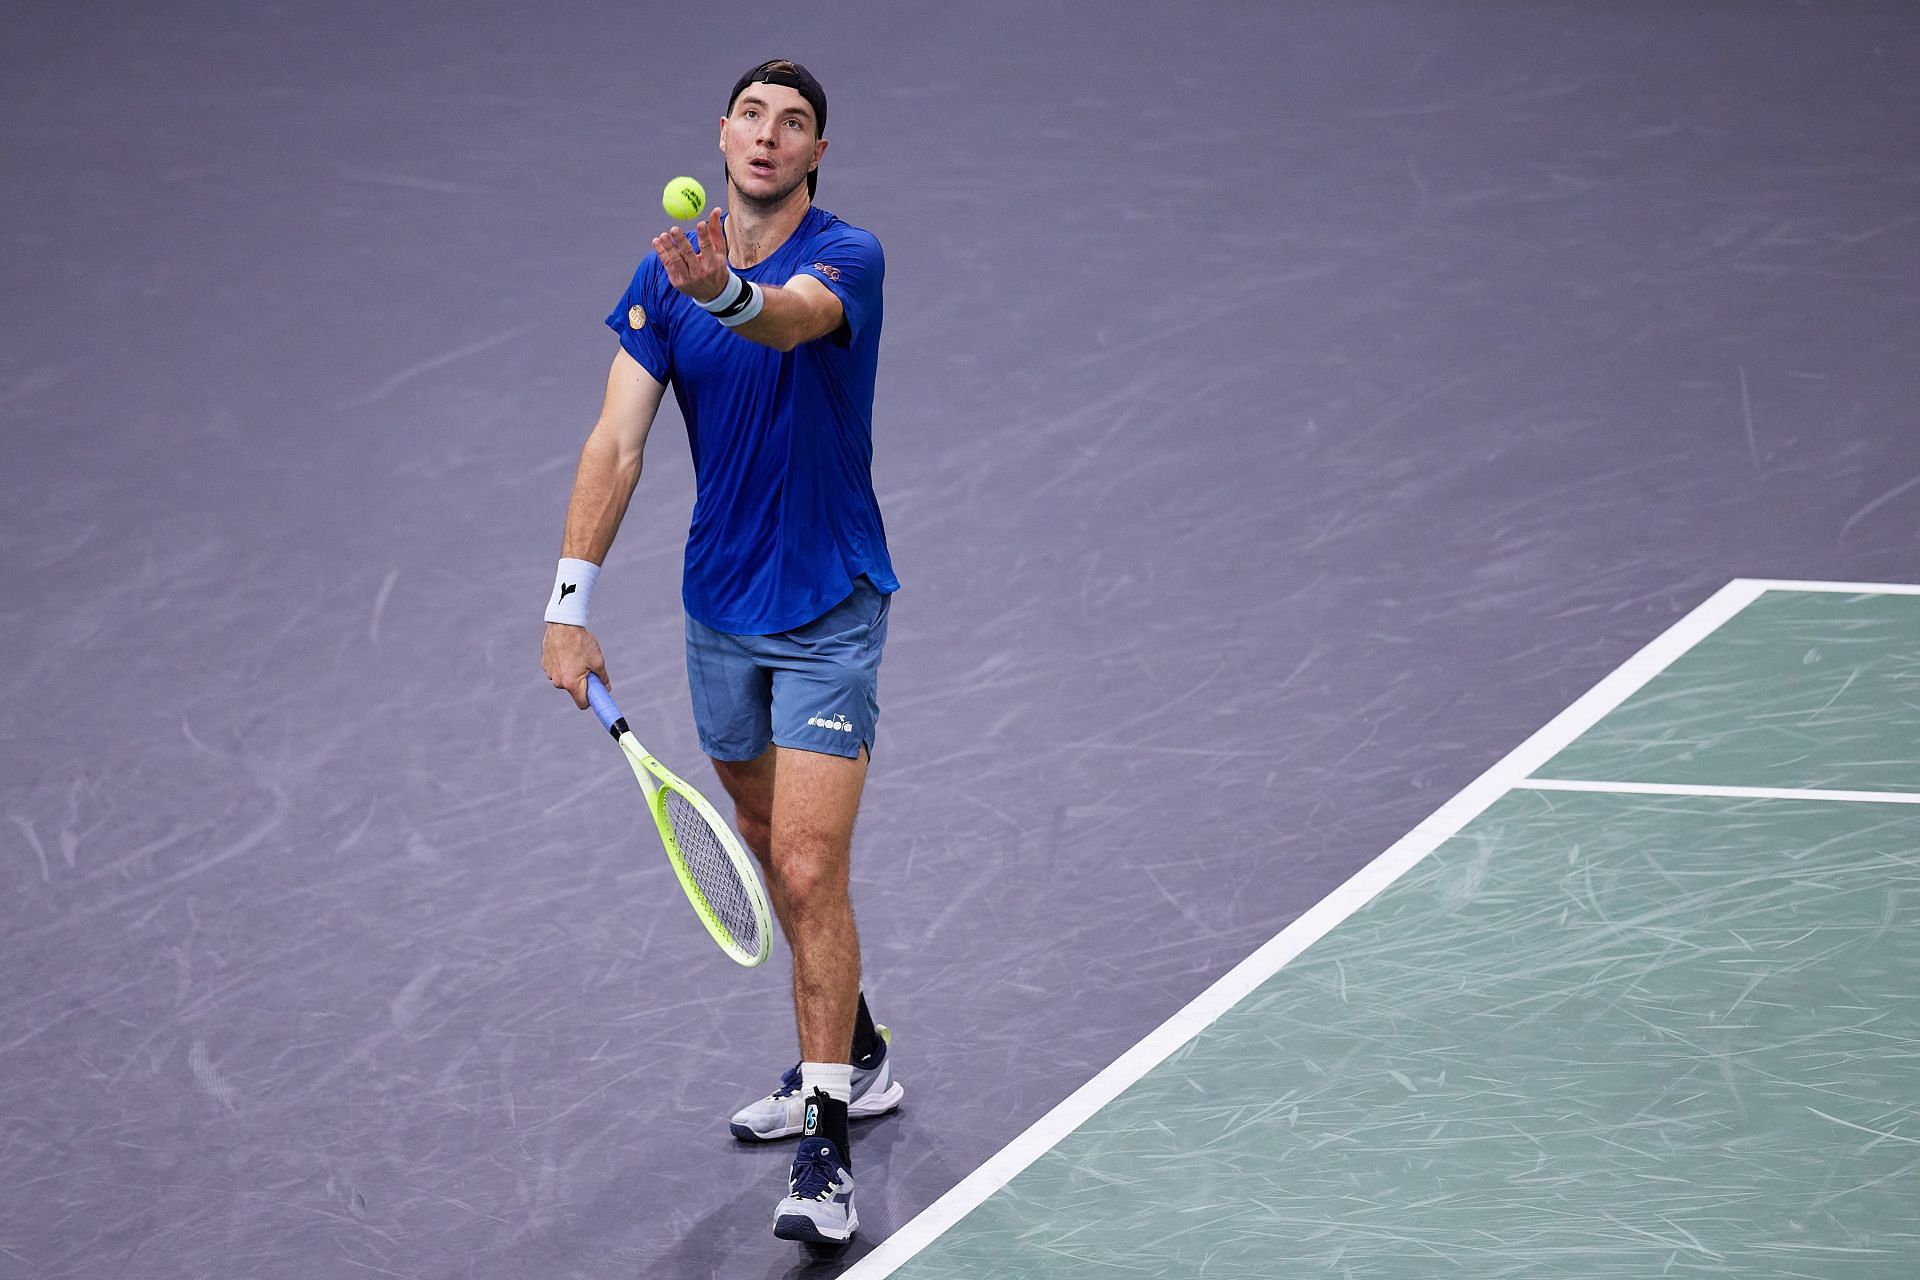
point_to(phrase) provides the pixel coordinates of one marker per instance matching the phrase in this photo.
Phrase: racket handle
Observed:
(603, 706)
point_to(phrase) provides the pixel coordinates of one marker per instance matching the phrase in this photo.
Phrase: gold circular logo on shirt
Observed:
(636, 317)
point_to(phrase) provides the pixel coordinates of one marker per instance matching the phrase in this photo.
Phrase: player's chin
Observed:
(766, 186)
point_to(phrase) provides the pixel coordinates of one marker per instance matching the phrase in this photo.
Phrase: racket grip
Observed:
(603, 706)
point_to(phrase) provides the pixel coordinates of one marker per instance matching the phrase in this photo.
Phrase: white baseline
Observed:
(1704, 789)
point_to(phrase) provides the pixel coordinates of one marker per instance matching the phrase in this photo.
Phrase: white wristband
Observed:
(572, 587)
(737, 302)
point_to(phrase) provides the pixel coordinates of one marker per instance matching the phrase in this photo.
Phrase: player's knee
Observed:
(811, 876)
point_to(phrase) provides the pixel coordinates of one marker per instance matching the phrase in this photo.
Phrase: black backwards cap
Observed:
(791, 74)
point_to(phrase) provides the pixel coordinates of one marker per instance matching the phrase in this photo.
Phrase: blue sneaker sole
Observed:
(797, 1226)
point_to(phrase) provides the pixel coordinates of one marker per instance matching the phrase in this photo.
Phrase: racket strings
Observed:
(713, 871)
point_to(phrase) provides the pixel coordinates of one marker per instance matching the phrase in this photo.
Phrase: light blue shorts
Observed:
(816, 687)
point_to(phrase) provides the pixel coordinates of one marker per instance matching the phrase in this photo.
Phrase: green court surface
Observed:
(1802, 689)
(1592, 1033)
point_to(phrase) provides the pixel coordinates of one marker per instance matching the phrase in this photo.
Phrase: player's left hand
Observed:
(699, 275)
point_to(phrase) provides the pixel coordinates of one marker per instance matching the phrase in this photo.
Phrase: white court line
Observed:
(1510, 772)
(1842, 588)
(1739, 793)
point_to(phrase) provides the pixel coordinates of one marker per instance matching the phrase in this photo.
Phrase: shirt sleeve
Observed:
(849, 261)
(640, 321)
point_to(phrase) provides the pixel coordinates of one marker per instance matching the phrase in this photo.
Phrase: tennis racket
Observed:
(716, 872)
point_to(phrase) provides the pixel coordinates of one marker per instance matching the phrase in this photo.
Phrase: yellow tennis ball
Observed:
(684, 198)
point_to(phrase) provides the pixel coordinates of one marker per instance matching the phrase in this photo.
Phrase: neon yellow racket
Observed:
(716, 872)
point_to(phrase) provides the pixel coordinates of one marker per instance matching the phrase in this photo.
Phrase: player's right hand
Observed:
(567, 654)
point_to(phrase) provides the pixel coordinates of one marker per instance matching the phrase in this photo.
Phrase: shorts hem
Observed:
(827, 749)
(727, 755)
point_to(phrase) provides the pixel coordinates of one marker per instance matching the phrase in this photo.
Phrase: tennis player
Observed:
(766, 323)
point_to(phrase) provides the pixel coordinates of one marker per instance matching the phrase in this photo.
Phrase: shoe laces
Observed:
(789, 1082)
(815, 1166)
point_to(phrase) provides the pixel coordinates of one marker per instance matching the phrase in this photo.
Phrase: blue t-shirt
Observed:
(784, 515)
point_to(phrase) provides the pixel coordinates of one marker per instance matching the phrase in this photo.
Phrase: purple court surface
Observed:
(1284, 409)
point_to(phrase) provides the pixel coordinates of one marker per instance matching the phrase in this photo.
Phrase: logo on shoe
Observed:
(813, 1118)
(836, 721)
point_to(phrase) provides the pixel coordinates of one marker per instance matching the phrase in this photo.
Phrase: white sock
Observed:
(835, 1079)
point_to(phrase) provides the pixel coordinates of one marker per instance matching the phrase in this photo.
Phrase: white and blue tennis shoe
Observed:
(819, 1204)
(782, 1113)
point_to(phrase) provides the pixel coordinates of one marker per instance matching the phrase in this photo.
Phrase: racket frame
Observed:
(655, 781)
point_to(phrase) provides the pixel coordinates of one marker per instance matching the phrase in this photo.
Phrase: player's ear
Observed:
(819, 149)
(723, 134)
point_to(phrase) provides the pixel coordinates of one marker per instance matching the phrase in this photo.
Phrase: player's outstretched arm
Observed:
(799, 311)
(602, 487)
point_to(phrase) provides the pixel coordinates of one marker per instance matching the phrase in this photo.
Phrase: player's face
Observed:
(771, 143)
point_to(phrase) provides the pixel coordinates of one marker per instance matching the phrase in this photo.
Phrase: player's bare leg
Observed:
(815, 803)
(751, 784)
(795, 810)
(817, 797)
